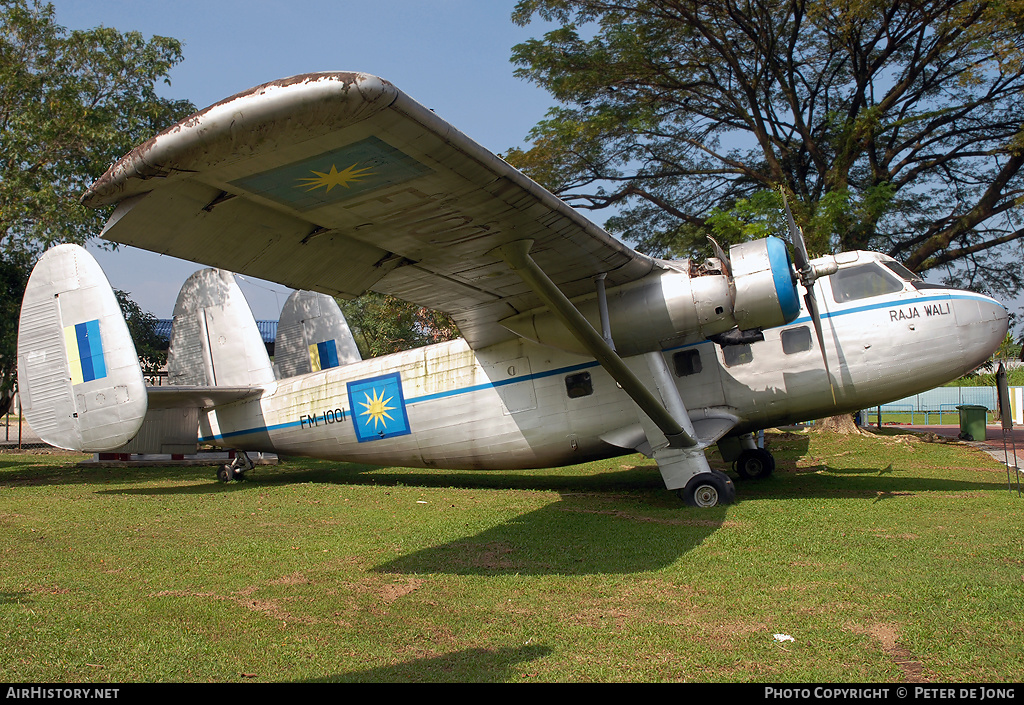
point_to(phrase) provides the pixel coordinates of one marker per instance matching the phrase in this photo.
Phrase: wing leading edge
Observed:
(340, 183)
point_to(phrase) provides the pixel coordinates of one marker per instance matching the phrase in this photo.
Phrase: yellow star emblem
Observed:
(329, 179)
(377, 409)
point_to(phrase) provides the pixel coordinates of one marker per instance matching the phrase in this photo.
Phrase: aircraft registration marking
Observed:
(328, 417)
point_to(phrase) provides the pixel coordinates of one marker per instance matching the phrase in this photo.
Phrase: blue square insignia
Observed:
(378, 407)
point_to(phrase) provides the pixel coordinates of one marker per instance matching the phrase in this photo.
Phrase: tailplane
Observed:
(79, 377)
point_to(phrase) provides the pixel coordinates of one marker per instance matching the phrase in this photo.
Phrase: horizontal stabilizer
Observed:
(198, 397)
(312, 334)
(79, 377)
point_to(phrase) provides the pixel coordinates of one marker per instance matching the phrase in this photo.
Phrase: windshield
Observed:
(862, 282)
(902, 272)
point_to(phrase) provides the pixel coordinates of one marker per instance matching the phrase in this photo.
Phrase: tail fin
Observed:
(79, 377)
(214, 338)
(312, 334)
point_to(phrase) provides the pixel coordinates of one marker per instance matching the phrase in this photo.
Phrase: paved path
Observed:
(1000, 448)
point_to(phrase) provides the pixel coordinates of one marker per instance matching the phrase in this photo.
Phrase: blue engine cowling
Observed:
(765, 284)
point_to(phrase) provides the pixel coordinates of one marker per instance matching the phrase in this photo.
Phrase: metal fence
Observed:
(936, 406)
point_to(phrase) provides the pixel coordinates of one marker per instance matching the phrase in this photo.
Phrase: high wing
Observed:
(341, 183)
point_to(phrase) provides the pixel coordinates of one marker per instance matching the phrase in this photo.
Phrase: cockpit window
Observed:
(902, 272)
(863, 282)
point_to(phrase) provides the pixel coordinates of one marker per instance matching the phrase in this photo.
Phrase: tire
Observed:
(224, 473)
(754, 464)
(709, 489)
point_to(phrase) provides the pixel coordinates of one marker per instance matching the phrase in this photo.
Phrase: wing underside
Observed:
(340, 183)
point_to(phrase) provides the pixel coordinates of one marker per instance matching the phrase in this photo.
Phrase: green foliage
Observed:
(893, 126)
(751, 218)
(987, 378)
(70, 104)
(149, 346)
(14, 270)
(382, 324)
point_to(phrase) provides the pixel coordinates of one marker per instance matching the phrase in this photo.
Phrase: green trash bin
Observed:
(973, 419)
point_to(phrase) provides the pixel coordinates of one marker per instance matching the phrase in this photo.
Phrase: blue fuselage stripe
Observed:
(589, 365)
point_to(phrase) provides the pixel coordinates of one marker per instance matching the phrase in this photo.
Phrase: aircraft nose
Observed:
(983, 323)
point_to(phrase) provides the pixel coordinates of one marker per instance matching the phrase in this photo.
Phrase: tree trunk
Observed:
(843, 423)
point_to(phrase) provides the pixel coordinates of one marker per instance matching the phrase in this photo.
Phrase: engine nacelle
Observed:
(682, 303)
(764, 282)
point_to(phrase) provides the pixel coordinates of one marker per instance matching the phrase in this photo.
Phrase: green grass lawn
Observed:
(885, 558)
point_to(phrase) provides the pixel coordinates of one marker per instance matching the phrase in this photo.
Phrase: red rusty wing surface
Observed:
(340, 183)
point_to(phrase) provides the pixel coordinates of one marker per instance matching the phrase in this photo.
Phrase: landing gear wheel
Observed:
(709, 489)
(237, 469)
(754, 464)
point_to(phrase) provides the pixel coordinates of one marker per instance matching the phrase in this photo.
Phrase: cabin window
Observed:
(737, 355)
(579, 385)
(687, 362)
(862, 282)
(796, 340)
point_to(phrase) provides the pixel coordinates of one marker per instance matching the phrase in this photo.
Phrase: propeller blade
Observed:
(812, 309)
(807, 277)
(722, 256)
(802, 259)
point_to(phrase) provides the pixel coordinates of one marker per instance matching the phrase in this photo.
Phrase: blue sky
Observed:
(450, 55)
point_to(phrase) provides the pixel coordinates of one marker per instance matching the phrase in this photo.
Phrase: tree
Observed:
(896, 126)
(70, 104)
(14, 270)
(150, 346)
(382, 324)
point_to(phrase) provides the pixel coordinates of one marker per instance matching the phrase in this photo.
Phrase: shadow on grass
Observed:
(467, 666)
(643, 478)
(868, 483)
(604, 521)
(15, 598)
(574, 536)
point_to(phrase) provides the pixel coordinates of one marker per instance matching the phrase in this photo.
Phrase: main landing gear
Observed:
(709, 489)
(754, 464)
(237, 469)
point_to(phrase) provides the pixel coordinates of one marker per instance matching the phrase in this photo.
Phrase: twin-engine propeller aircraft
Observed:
(574, 347)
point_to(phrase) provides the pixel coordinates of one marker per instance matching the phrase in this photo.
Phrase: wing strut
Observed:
(517, 256)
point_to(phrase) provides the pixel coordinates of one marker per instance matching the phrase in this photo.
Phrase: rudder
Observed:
(79, 378)
(214, 338)
(312, 334)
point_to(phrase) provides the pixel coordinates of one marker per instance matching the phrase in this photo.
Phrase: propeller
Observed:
(808, 274)
(722, 256)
